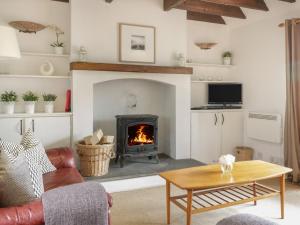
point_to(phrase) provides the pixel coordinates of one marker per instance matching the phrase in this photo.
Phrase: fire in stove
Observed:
(140, 135)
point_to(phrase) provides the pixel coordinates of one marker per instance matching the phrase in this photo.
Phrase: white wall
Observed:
(198, 32)
(45, 12)
(259, 56)
(94, 24)
(110, 99)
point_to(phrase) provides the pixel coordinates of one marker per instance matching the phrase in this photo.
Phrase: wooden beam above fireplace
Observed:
(129, 68)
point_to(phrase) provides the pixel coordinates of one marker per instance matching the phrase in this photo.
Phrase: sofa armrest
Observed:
(31, 213)
(61, 157)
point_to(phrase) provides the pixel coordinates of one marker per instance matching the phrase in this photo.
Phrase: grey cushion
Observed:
(245, 219)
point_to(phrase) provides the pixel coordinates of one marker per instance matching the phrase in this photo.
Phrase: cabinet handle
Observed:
(223, 119)
(33, 126)
(216, 119)
(21, 127)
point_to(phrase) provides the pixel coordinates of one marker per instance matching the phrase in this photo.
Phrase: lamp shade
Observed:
(9, 46)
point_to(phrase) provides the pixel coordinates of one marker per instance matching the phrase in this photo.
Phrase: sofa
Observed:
(66, 174)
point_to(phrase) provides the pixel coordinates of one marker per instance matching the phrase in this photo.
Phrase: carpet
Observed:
(147, 207)
(144, 167)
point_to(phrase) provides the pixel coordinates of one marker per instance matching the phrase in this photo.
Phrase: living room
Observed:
(189, 86)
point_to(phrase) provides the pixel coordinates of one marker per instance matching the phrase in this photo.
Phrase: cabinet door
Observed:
(206, 137)
(232, 131)
(52, 131)
(11, 129)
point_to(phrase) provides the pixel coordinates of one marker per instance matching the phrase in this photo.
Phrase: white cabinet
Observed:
(215, 133)
(52, 131)
(11, 129)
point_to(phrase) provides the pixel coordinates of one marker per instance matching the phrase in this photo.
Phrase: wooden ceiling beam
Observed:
(251, 4)
(205, 17)
(170, 4)
(212, 9)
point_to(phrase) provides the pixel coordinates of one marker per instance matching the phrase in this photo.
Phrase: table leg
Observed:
(282, 193)
(254, 192)
(168, 195)
(189, 208)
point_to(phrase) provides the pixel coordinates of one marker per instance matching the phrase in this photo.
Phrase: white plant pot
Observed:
(49, 107)
(59, 50)
(29, 107)
(227, 60)
(9, 107)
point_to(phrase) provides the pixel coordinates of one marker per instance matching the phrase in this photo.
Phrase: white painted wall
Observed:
(259, 55)
(198, 32)
(94, 24)
(111, 97)
(45, 12)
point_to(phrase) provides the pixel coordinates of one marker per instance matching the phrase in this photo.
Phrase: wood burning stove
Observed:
(137, 137)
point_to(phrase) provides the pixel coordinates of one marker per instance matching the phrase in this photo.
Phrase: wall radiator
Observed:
(264, 126)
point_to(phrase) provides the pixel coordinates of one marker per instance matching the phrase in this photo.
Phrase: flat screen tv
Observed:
(225, 93)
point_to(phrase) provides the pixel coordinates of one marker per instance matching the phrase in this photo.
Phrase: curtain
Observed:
(292, 116)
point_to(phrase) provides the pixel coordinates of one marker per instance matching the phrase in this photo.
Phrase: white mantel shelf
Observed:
(89, 66)
(26, 115)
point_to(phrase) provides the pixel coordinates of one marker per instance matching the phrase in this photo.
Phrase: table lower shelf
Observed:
(224, 197)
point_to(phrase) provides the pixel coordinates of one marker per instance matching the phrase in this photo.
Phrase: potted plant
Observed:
(30, 99)
(49, 100)
(9, 98)
(227, 56)
(57, 45)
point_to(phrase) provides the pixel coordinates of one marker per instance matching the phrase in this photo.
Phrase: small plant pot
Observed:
(59, 50)
(227, 60)
(49, 107)
(9, 107)
(29, 107)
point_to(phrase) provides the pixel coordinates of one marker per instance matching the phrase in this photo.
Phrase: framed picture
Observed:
(137, 43)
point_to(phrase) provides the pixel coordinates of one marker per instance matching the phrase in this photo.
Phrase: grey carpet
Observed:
(144, 167)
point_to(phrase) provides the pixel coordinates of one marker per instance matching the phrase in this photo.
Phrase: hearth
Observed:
(137, 137)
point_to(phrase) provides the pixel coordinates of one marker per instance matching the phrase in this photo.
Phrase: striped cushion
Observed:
(36, 152)
(21, 181)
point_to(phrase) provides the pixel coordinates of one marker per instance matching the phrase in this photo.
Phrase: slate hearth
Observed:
(134, 168)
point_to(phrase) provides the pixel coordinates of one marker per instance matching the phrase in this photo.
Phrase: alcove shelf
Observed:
(33, 76)
(194, 64)
(50, 55)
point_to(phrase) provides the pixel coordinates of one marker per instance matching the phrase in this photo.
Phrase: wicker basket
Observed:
(94, 159)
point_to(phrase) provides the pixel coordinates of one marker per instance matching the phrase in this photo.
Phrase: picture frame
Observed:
(137, 43)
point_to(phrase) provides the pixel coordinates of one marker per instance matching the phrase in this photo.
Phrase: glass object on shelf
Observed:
(82, 54)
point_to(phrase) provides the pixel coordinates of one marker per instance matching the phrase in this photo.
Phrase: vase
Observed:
(49, 107)
(59, 50)
(29, 107)
(227, 60)
(226, 167)
(9, 107)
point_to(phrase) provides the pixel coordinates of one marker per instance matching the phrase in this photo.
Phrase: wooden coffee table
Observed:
(208, 189)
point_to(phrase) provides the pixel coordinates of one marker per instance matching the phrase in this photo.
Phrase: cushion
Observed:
(35, 151)
(21, 181)
(245, 219)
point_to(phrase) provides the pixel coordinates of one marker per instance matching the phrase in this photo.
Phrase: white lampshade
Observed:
(9, 46)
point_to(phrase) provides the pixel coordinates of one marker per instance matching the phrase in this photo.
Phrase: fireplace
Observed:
(137, 137)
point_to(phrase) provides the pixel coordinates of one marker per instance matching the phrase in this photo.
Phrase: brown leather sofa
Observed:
(66, 174)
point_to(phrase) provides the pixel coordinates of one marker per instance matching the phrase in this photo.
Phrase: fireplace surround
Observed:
(137, 137)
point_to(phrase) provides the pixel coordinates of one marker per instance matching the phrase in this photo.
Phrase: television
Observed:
(225, 93)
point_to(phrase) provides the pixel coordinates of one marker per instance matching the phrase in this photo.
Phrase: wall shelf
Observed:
(26, 115)
(214, 81)
(52, 55)
(194, 64)
(33, 76)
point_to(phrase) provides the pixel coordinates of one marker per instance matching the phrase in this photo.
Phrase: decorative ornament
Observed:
(82, 54)
(47, 68)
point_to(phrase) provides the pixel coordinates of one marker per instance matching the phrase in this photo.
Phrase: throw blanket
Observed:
(77, 204)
